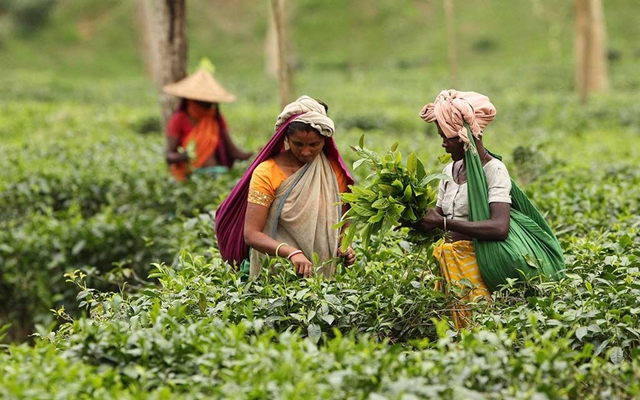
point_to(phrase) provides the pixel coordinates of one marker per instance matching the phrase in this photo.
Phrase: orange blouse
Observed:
(267, 177)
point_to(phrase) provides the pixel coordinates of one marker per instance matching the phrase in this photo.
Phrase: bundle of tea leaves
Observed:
(393, 194)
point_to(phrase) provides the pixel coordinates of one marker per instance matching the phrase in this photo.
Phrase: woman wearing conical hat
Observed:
(197, 137)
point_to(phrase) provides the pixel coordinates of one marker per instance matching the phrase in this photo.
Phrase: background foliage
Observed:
(115, 266)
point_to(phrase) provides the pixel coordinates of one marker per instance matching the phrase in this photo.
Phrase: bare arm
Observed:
(494, 228)
(254, 222)
(172, 154)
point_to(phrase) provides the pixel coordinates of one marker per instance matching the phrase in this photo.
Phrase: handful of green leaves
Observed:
(190, 150)
(397, 193)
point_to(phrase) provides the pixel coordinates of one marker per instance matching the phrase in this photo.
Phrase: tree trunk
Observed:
(164, 26)
(144, 22)
(271, 49)
(591, 50)
(451, 42)
(284, 70)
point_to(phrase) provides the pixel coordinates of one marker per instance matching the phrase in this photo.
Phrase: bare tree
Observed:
(285, 73)
(591, 52)
(164, 26)
(271, 49)
(451, 42)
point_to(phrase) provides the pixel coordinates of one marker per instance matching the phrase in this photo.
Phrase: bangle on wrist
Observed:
(278, 248)
(444, 223)
(293, 253)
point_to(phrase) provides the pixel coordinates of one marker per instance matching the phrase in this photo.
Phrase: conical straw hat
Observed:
(200, 86)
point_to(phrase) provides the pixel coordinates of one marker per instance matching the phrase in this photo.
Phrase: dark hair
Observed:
(183, 104)
(297, 126)
(323, 104)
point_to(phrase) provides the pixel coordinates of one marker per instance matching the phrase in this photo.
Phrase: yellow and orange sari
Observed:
(459, 266)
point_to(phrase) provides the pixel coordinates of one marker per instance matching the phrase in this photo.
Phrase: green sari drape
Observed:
(531, 248)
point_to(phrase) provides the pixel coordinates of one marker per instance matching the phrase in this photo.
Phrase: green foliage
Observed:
(162, 317)
(28, 15)
(194, 335)
(393, 194)
(206, 64)
(108, 206)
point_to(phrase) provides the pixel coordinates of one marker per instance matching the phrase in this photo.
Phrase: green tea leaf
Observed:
(616, 355)
(420, 171)
(408, 193)
(412, 163)
(347, 239)
(314, 333)
(582, 332)
(358, 163)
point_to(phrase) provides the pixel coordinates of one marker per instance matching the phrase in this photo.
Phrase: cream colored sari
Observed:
(306, 206)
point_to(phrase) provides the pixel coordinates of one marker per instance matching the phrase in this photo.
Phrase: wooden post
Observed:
(284, 70)
(451, 42)
(590, 47)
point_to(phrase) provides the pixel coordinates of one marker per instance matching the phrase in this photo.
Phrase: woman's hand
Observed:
(431, 220)
(302, 265)
(349, 255)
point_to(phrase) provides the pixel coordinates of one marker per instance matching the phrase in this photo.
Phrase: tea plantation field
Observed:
(115, 266)
(112, 286)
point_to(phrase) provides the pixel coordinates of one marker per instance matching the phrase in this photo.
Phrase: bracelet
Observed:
(278, 248)
(293, 253)
(444, 222)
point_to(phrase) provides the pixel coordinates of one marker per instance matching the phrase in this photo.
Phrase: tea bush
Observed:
(108, 206)
(202, 332)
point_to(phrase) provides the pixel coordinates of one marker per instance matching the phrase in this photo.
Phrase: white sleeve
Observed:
(499, 184)
(443, 184)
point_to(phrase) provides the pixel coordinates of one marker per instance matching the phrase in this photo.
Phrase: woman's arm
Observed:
(494, 228)
(172, 154)
(254, 222)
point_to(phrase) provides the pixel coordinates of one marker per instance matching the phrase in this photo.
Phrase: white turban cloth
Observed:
(314, 115)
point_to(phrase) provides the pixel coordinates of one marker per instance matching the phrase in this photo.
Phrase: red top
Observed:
(179, 126)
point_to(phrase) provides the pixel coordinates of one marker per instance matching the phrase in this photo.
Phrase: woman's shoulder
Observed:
(335, 164)
(448, 168)
(179, 123)
(495, 167)
(494, 164)
(179, 115)
(266, 166)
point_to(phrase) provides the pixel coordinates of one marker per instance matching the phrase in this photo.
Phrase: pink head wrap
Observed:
(451, 109)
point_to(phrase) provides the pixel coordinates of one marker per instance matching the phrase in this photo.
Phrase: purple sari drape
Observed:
(231, 213)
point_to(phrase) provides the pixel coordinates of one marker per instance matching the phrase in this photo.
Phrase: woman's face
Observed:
(196, 109)
(453, 146)
(305, 145)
